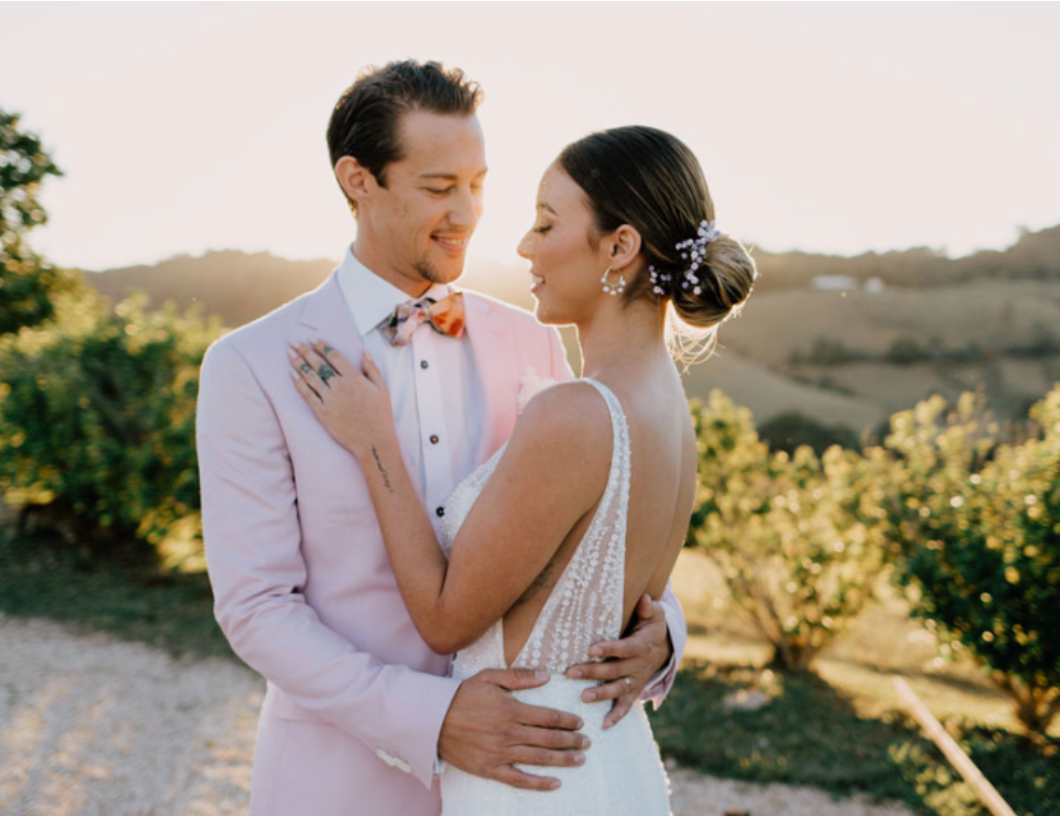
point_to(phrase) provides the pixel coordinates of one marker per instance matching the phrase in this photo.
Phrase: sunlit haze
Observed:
(834, 128)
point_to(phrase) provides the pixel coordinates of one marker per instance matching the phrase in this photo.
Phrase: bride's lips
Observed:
(451, 244)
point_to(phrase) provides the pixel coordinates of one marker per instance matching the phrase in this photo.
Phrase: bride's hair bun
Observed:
(652, 181)
(726, 277)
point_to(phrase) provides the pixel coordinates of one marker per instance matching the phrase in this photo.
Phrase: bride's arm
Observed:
(552, 473)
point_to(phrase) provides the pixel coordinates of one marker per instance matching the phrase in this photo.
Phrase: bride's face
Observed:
(564, 266)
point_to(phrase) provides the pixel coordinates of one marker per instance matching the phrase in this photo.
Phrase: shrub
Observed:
(906, 351)
(830, 351)
(97, 412)
(794, 536)
(792, 429)
(979, 528)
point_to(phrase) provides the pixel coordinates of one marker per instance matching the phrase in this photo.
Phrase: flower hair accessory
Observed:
(693, 250)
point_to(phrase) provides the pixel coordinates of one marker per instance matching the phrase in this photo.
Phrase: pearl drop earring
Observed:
(618, 288)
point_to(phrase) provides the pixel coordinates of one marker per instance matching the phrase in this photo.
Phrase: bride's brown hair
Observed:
(652, 181)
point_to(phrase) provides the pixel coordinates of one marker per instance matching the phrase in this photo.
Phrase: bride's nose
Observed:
(525, 248)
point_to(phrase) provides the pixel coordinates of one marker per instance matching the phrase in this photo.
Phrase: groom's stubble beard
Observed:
(427, 271)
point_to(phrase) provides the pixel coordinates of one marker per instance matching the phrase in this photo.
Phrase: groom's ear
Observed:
(355, 179)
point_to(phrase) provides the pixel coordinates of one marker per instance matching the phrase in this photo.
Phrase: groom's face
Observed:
(422, 221)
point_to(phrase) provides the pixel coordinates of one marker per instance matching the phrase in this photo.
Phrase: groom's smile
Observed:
(456, 245)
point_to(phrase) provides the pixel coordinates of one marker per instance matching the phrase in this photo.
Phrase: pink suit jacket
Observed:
(303, 588)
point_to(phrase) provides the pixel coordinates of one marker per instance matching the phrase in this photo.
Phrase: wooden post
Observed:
(986, 792)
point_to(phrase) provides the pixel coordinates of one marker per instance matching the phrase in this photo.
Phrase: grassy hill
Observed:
(937, 325)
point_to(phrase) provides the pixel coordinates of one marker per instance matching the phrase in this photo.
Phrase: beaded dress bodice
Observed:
(585, 606)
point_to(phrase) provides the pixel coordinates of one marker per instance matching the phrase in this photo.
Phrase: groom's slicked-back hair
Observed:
(365, 121)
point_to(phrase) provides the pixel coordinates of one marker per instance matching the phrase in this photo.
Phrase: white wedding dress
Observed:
(623, 773)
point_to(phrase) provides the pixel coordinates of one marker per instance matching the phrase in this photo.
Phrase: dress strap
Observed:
(618, 416)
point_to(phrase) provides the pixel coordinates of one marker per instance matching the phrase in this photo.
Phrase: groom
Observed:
(359, 714)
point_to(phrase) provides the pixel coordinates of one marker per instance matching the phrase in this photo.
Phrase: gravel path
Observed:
(93, 726)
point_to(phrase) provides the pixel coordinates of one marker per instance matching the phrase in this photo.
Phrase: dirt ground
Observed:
(93, 726)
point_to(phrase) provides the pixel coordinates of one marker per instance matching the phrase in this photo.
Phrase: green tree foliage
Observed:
(27, 283)
(792, 429)
(97, 413)
(979, 529)
(796, 537)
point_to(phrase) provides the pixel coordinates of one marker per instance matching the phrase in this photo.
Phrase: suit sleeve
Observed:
(662, 682)
(253, 548)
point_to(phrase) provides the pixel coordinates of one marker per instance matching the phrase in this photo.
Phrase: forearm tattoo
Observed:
(381, 469)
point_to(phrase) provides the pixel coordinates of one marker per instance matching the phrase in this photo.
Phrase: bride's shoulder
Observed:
(566, 414)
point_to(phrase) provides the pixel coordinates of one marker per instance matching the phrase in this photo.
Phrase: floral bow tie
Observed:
(445, 316)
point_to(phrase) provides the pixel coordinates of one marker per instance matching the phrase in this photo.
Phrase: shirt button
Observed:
(434, 439)
(439, 511)
(423, 364)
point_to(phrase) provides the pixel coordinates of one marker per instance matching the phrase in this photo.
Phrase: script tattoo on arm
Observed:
(382, 470)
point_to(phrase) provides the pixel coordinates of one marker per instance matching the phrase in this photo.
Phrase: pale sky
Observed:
(835, 127)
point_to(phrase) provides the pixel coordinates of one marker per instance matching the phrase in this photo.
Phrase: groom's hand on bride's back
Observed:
(487, 730)
(628, 665)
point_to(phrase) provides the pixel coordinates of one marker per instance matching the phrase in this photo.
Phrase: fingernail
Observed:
(581, 724)
(595, 651)
(553, 785)
(579, 759)
(586, 743)
(574, 674)
(540, 674)
(589, 696)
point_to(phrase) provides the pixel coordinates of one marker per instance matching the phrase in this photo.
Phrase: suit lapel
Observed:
(328, 318)
(493, 348)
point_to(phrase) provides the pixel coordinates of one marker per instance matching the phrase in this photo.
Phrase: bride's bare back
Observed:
(661, 495)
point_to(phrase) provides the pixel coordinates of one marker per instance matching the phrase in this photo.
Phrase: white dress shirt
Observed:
(435, 389)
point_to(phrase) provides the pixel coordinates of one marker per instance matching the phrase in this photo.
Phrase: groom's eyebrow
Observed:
(451, 176)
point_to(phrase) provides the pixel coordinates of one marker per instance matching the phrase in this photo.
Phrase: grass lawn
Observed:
(173, 611)
(840, 728)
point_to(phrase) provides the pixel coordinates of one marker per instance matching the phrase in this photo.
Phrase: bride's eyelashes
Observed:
(542, 229)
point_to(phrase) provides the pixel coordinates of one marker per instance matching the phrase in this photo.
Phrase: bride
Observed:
(549, 545)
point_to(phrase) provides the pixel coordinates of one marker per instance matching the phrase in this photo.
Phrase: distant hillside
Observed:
(1034, 256)
(939, 325)
(240, 287)
(235, 285)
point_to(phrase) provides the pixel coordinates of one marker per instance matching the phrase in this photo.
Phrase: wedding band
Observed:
(629, 683)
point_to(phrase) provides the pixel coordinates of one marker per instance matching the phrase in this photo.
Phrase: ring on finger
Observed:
(305, 368)
(629, 684)
(326, 372)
